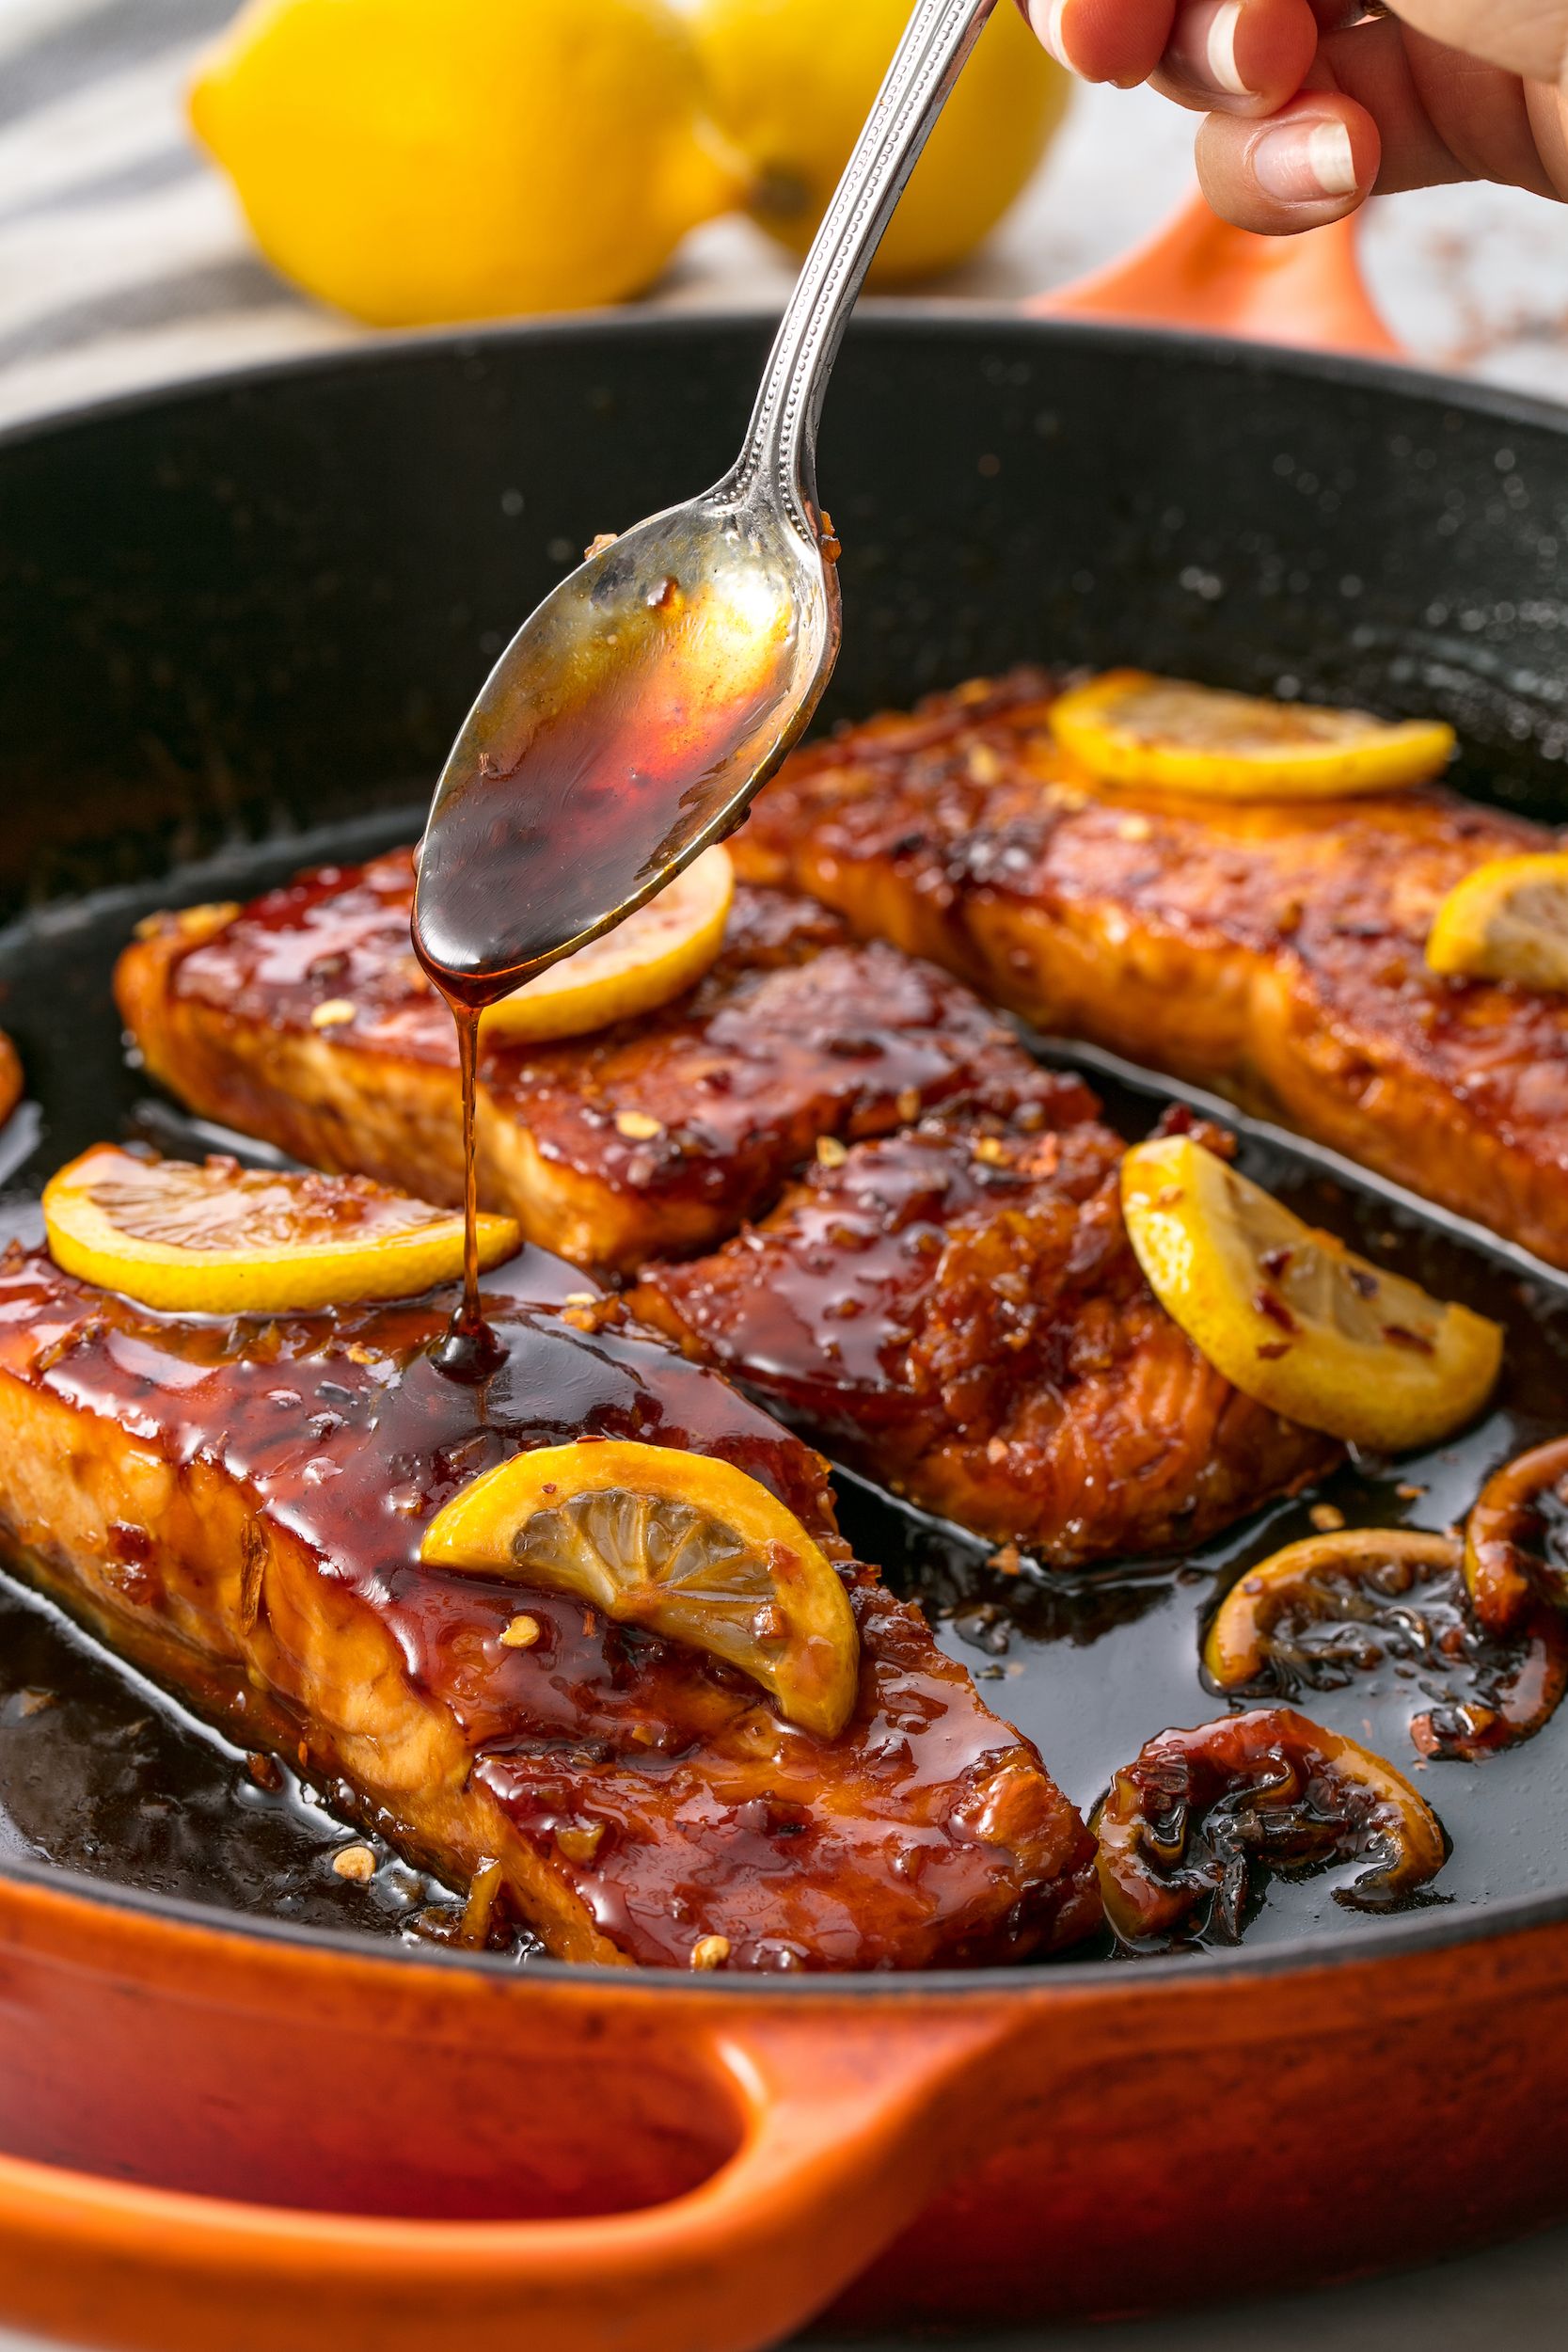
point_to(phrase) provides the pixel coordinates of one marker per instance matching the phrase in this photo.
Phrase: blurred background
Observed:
(413, 164)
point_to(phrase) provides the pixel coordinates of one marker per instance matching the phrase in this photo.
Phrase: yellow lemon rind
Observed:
(1470, 937)
(1176, 1201)
(1392, 757)
(475, 1534)
(85, 1242)
(557, 1005)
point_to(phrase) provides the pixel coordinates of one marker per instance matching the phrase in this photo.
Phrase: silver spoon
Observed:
(634, 716)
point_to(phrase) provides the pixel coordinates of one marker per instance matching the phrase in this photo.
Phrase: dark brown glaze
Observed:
(657, 1136)
(238, 1503)
(958, 1309)
(1274, 950)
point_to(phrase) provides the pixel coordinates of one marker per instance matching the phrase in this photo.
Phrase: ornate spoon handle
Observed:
(779, 460)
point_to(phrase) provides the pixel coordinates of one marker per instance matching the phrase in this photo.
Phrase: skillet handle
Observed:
(1197, 272)
(847, 2125)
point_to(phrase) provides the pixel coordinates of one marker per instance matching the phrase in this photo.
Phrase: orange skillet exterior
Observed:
(215, 2136)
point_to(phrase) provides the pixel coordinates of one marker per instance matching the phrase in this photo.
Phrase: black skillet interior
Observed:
(238, 625)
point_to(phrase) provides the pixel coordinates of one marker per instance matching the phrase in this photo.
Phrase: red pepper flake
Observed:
(1414, 1340)
(1274, 1261)
(1270, 1350)
(1268, 1302)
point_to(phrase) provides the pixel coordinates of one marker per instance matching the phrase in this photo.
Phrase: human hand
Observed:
(1311, 105)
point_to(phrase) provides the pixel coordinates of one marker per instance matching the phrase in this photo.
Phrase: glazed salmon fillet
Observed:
(657, 1136)
(797, 1042)
(1273, 951)
(237, 1506)
(957, 1310)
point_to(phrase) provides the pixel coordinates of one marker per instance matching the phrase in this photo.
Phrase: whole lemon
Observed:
(419, 161)
(792, 80)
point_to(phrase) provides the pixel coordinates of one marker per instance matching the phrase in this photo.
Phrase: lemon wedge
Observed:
(1293, 1318)
(677, 1542)
(1369, 1567)
(1128, 727)
(655, 955)
(1507, 921)
(221, 1239)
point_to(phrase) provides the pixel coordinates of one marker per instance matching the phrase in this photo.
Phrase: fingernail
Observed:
(1302, 162)
(1046, 17)
(1202, 53)
(1219, 50)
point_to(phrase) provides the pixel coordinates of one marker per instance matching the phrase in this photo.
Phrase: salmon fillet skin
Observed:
(237, 1504)
(1272, 950)
(655, 1136)
(958, 1309)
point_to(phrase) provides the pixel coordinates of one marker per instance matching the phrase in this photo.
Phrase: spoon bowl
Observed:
(625, 728)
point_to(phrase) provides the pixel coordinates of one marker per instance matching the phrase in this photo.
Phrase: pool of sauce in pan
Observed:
(103, 1774)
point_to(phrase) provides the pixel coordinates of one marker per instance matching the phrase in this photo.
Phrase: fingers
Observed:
(1242, 57)
(1310, 162)
(1245, 56)
(1105, 40)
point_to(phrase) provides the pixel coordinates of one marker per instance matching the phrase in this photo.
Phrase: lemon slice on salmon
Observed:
(1293, 1318)
(655, 954)
(1507, 921)
(1128, 727)
(221, 1239)
(677, 1542)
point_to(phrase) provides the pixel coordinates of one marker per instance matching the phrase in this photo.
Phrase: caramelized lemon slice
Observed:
(1128, 727)
(221, 1239)
(655, 954)
(1281, 1791)
(678, 1543)
(1516, 1538)
(1293, 1318)
(1507, 921)
(1359, 1573)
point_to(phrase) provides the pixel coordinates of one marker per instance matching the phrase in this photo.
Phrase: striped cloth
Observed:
(123, 261)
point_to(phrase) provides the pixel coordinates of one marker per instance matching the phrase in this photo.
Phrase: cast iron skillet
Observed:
(237, 627)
